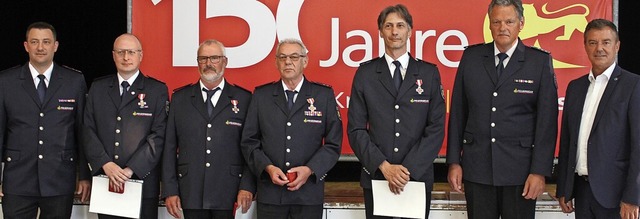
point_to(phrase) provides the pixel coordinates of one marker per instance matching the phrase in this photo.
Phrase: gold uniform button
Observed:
(116, 157)
(40, 157)
(117, 131)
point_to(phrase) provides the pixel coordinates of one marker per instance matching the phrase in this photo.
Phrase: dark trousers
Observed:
(289, 211)
(207, 214)
(489, 202)
(368, 203)
(586, 205)
(25, 207)
(148, 210)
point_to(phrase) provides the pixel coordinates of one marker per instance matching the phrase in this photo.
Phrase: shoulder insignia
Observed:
(103, 77)
(540, 49)
(72, 69)
(479, 44)
(321, 84)
(154, 79)
(183, 87)
(367, 62)
(241, 88)
(423, 61)
(264, 85)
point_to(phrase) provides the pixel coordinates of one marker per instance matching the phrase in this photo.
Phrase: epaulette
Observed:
(241, 88)
(270, 83)
(423, 61)
(321, 84)
(152, 78)
(72, 69)
(540, 49)
(180, 88)
(103, 77)
(367, 62)
(479, 44)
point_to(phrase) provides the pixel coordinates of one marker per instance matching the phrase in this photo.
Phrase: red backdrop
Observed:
(341, 34)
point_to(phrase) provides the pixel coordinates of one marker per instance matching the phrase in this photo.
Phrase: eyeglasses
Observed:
(131, 52)
(213, 59)
(294, 57)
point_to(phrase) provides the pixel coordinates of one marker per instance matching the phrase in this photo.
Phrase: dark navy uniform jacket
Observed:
(129, 132)
(301, 137)
(503, 129)
(40, 142)
(403, 127)
(209, 168)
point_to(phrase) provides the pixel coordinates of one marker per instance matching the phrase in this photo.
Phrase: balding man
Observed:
(125, 120)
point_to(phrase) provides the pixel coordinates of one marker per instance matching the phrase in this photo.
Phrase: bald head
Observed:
(127, 54)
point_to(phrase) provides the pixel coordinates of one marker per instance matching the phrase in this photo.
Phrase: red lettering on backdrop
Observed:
(339, 38)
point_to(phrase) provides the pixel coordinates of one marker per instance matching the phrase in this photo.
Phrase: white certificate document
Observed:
(126, 204)
(410, 203)
(251, 213)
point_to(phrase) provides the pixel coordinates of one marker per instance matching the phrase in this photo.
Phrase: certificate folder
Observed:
(125, 204)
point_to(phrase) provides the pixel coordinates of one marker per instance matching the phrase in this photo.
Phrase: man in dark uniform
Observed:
(125, 120)
(503, 120)
(598, 165)
(41, 106)
(292, 136)
(396, 113)
(204, 171)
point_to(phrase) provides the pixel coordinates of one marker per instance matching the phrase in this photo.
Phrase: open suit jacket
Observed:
(501, 129)
(129, 132)
(402, 127)
(40, 141)
(285, 138)
(209, 168)
(613, 152)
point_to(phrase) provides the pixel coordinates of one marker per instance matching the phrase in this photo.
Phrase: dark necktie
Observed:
(397, 76)
(125, 87)
(209, 101)
(42, 88)
(500, 66)
(290, 95)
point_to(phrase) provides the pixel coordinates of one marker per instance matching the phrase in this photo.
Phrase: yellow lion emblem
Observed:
(536, 26)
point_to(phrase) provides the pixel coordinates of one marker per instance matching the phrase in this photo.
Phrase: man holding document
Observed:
(125, 119)
(396, 114)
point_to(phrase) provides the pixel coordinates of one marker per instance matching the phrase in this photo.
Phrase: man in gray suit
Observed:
(598, 165)
(504, 120)
(204, 171)
(396, 113)
(124, 128)
(41, 105)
